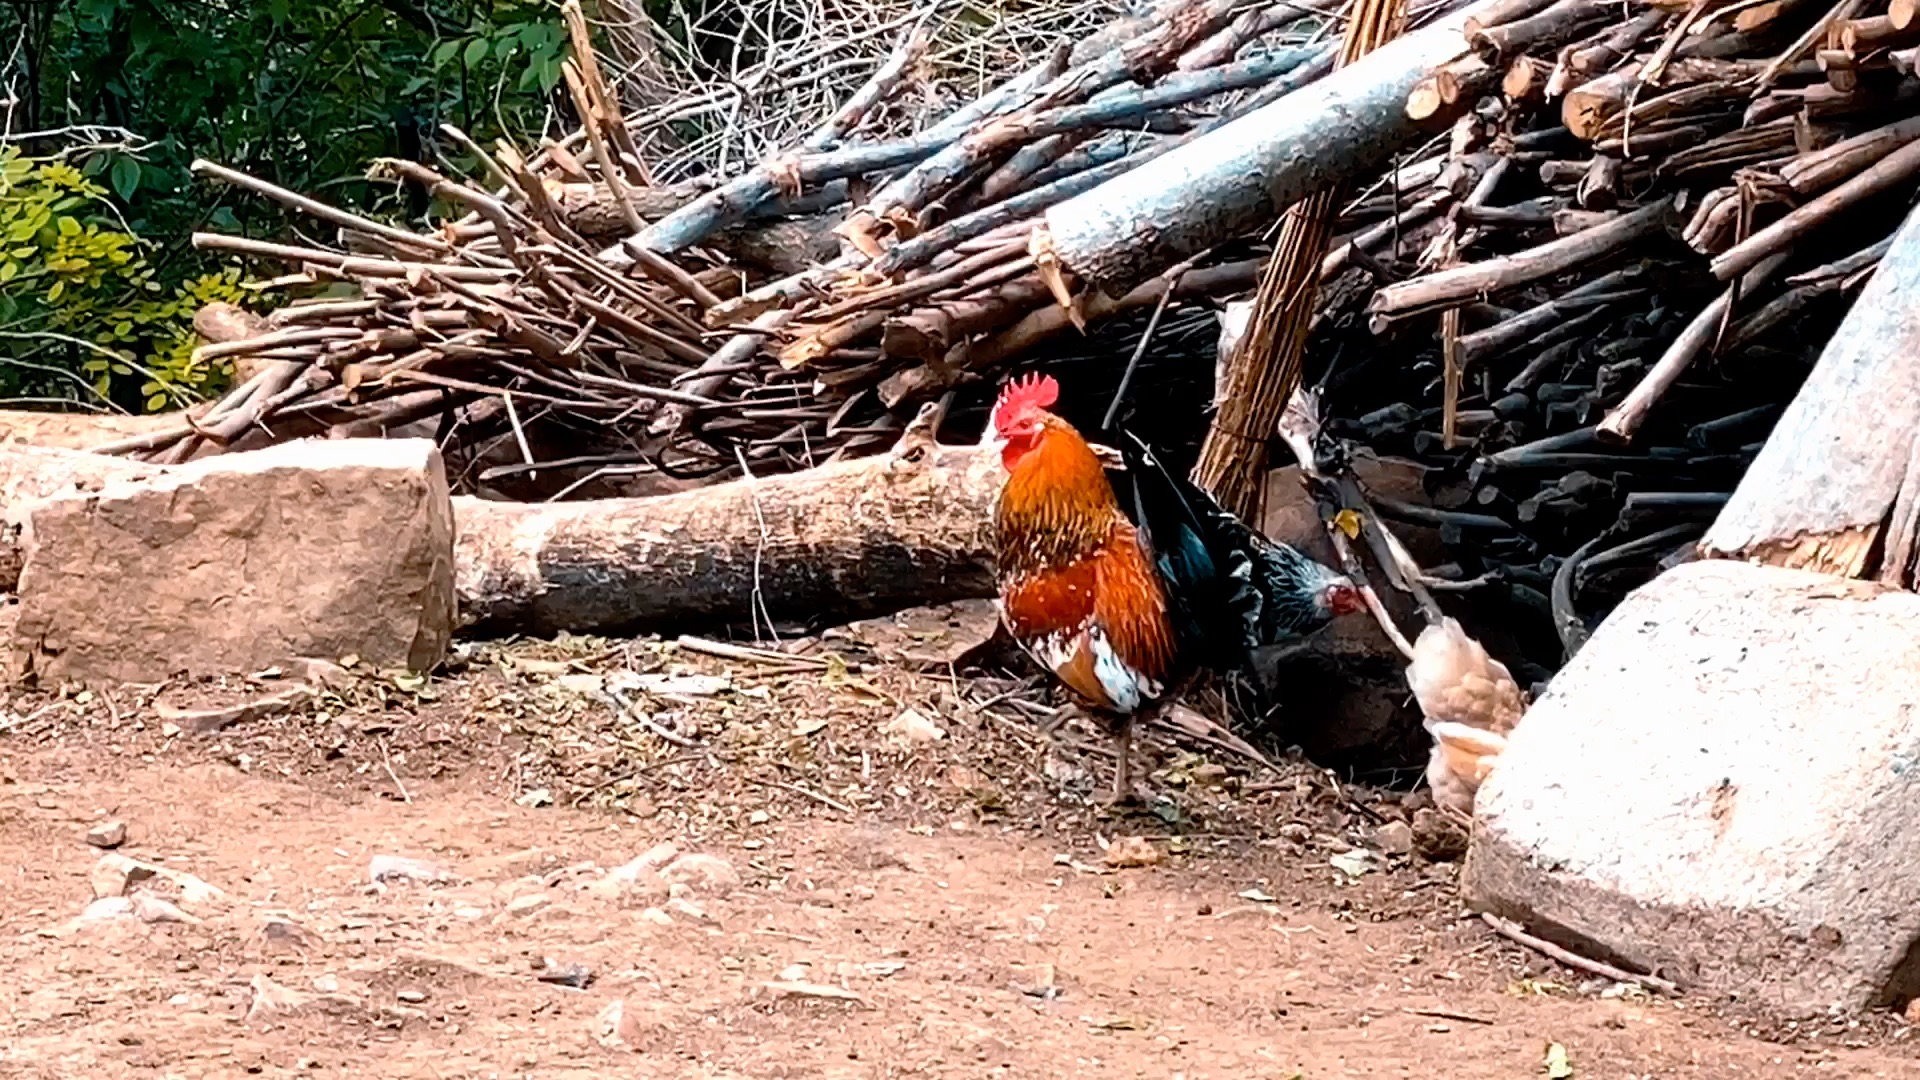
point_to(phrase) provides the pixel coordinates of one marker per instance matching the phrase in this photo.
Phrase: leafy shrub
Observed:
(79, 294)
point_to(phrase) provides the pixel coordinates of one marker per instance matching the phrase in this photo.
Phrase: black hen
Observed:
(1229, 589)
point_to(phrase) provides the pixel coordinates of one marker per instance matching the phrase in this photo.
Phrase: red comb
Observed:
(1031, 392)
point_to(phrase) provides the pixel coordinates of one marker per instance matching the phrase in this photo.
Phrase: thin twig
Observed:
(1511, 930)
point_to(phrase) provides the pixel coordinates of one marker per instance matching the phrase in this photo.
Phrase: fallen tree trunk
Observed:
(847, 540)
(1239, 177)
(1839, 468)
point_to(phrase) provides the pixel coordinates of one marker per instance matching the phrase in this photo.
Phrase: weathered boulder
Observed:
(239, 562)
(78, 431)
(1721, 788)
(30, 473)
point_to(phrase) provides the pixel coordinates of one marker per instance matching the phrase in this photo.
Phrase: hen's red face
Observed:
(1344, 599)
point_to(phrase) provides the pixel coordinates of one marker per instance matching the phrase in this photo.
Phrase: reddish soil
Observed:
(951, 897)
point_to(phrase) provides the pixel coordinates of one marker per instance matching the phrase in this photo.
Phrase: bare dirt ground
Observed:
(840, 901)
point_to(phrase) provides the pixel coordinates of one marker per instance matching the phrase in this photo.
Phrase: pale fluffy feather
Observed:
(1471, 703)
(1455, 680)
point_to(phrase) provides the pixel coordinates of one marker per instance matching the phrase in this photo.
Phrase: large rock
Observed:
(78, 431)
(242, 561)
(30, 473)
(1723, 788)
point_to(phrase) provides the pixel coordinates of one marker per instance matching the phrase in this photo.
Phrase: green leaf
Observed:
(476, 52)
(125, 177)
(550, 72)
(444, 53)
(414, 85)
(538, 35)
(156, 402)
(69, 227)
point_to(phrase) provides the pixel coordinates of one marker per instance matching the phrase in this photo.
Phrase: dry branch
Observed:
(1448, 287)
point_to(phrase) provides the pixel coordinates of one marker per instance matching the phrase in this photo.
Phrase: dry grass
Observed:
(788, 64)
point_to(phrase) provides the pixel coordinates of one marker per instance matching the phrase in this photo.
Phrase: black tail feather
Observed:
(1231, 589)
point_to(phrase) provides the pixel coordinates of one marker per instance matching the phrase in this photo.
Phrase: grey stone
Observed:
(1394, 838)
(108, 834)
(388, 869)
(702, 871)
(1721, 788)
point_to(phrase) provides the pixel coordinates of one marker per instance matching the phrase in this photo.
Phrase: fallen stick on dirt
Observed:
(819, 991)
(1511, 930)
(847, 540)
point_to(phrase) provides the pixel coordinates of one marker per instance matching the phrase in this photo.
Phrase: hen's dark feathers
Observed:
(1230, 589)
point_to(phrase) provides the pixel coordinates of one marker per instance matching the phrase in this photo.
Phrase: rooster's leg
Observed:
(1123, 771)
(1122, 728)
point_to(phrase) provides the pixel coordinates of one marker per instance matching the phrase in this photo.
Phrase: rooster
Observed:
(1125, 603)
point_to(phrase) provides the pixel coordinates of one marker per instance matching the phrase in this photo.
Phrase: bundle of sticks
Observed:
(1582, 301)
(1636, 245)
(701, 329)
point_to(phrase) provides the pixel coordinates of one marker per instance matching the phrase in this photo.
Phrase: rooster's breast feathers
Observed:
(1098, 622)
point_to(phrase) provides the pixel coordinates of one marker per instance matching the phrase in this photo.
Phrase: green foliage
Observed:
(299, 92)
(80, 294)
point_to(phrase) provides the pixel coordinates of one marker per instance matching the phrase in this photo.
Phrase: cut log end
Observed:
(1526, 79)
(1426, 100)
(1841, 554)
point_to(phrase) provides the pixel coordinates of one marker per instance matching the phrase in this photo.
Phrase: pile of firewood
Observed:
(1645, 239)
(585, 296)
(1597, 247)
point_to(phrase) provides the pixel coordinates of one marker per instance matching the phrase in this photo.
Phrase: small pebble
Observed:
(1394, 838)
(575, 976)
(108, 834)
(412, 997)
(387, 869)
(523, 905)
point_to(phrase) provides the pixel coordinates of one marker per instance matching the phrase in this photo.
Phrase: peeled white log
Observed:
(1239, 178)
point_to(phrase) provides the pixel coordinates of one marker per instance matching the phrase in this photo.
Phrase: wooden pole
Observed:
(1265, 370)
(1840, 471)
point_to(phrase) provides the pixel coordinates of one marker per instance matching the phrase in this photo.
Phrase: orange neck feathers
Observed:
(1057, 505)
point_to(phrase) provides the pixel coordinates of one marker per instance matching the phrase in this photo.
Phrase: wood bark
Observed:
(1820, 492)
(1492, 276)
(1239, 177)
(1265, 370)
(846, 540)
